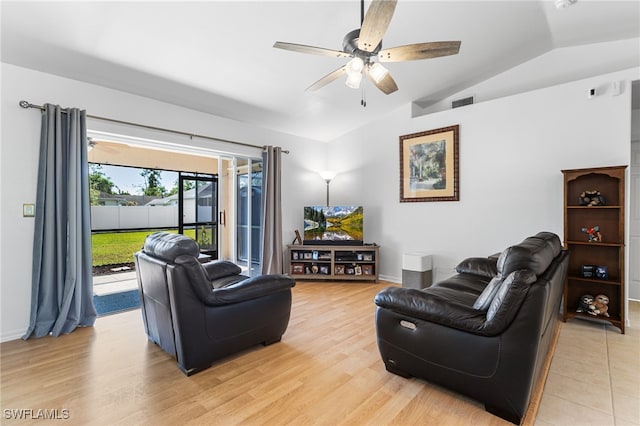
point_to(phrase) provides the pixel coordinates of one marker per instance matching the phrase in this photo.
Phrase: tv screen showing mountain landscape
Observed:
(333, 223)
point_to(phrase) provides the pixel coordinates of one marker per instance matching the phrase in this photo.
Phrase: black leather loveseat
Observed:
(203, 312)
(486, 331)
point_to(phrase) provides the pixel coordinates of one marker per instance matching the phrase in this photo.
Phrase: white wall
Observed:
(512, 151)
(19, 163)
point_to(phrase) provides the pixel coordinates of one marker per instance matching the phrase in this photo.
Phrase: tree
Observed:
(153, 186)
(187, 185)
(98, 182)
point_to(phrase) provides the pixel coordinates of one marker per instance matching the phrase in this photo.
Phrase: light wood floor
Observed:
(326, 371)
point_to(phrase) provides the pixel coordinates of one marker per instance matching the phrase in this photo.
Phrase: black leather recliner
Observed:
(486, 331)
(200, 313)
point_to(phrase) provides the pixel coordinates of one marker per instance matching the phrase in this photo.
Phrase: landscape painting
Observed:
(429, 166)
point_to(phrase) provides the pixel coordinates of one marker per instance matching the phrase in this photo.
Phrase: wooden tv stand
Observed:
(334, 262)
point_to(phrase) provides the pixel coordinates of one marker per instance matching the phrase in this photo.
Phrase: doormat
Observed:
(117, 302)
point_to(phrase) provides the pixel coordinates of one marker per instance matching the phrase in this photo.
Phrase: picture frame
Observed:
(298, 238)
(297, 268)
(307, 255)
(339, 270)
(367, 269)
(429, 165)
(367, 257)
(294, 255)
(324, 269)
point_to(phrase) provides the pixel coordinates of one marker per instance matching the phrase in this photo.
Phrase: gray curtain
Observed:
(61, 284)
(272, 255)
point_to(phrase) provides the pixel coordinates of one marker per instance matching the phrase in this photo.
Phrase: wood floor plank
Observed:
(326, 371)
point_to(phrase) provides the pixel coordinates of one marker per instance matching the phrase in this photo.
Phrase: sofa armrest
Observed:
(483, 266)
(433, 308)
(220, 269)
(251, 288)
(248, 289)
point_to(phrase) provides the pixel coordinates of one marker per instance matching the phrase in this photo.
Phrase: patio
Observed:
(114, 283)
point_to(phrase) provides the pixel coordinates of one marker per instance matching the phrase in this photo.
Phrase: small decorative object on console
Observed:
(585, 301)
(594, 234)
(602, 272)
(599, 306)
(591, 198)
(588, 271)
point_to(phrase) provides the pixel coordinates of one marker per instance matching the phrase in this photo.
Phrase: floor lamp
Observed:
(328, 175)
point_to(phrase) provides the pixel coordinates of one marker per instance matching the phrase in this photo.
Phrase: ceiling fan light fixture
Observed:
(355, 66)
(378, 72)
(353, 80)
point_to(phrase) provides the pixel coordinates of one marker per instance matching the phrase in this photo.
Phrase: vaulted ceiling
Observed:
(218, 56)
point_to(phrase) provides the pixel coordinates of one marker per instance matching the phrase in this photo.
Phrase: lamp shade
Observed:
(355, 66)
(378, 72)
(328, 175)
(353, 80)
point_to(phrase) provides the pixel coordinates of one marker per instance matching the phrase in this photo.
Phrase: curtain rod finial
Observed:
(24, 104)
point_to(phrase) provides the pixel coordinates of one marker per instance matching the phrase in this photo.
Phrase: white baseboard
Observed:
(391, 279)
(12, 335)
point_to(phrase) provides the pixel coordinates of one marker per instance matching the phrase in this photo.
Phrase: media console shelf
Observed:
(333, 262)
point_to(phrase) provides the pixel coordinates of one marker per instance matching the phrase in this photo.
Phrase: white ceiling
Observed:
(217, 56)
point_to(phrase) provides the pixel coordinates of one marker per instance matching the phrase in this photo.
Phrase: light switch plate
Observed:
(28, 210)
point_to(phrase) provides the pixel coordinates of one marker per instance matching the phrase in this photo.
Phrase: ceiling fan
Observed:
(364, 44)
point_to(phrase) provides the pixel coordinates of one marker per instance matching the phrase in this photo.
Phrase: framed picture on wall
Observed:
(429, 165)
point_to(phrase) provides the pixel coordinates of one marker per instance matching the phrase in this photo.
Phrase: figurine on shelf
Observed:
(591, 198)
(599, 306)
(594, 234)
(585, 302)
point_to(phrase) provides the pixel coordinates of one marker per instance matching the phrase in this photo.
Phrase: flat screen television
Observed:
(333, 225)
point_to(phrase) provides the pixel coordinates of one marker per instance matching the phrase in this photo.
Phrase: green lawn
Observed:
(118, 247)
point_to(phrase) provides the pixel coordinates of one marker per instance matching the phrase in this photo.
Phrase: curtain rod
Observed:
(25, 104)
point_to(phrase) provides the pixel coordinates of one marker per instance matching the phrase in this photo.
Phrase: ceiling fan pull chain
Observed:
(363, 98)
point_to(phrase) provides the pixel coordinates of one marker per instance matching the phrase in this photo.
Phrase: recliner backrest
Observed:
(167, 247)
(534, 253)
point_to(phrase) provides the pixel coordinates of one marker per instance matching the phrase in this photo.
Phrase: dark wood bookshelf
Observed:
(609, 252)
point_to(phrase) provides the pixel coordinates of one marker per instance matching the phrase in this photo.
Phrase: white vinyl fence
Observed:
(132, 217)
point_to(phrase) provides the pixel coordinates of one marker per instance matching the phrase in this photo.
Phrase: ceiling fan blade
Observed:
(375, 24)
(328, 79)
(387, 84)
(311, 49)
(413, 52)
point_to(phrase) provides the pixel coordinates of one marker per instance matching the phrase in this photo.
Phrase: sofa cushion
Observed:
(483, 301)
(167, 246)
(510, 295)
(483, 266)
(464, 283)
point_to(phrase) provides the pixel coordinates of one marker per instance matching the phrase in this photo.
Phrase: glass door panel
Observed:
(198, 210)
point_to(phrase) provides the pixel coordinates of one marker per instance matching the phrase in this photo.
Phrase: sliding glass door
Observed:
(198, 210)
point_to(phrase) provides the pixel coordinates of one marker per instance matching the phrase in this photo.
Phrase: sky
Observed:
(128, 178)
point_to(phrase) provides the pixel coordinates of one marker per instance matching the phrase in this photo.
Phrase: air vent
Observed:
(462, 102)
